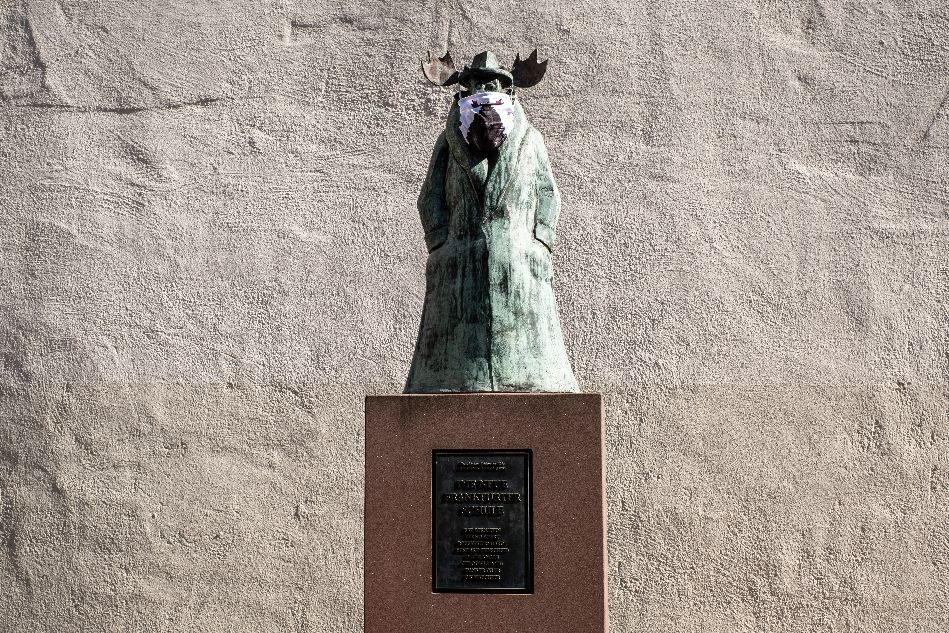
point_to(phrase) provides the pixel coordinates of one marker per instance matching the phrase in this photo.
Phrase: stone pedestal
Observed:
(531, 464)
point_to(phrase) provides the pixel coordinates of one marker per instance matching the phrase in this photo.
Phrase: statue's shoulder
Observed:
(532, 134)
(535, 140)
(441, 145)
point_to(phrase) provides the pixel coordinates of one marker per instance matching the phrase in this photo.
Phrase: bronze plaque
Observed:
(481, 521)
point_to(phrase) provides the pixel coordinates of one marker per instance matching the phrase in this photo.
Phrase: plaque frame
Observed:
(529, 527)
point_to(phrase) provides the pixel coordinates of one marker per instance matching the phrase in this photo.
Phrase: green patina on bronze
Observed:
(490, 320)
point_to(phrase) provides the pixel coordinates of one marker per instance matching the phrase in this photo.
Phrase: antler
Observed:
(441, 70)
(528, 72)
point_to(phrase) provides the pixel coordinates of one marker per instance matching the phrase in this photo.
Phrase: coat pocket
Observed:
(436, 237)
(545, 235)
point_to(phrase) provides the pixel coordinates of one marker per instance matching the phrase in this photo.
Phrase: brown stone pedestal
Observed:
(564, 435)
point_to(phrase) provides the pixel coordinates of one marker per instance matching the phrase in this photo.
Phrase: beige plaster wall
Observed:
(209, 253)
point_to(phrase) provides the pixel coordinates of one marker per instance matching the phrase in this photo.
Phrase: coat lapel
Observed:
(507, 162)
(462, 153)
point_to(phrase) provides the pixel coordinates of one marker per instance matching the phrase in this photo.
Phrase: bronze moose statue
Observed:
(489, 209)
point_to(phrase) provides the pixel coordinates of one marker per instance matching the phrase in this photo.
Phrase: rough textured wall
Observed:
(210, 253)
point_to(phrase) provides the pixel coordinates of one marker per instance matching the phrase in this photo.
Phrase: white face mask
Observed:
(487, 119)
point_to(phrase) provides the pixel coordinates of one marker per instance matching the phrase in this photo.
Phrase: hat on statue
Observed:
(484, 65)
(524, 73)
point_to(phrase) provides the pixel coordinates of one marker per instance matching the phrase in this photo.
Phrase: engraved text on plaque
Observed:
(482, 521)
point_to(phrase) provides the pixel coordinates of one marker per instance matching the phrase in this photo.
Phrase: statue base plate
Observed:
(485, 512)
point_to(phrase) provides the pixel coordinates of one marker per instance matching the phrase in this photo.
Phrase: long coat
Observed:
(490, 321)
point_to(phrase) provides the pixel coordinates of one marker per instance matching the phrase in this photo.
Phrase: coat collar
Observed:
(506, 164)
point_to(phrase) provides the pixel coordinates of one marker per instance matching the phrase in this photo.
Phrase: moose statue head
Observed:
(487, 93)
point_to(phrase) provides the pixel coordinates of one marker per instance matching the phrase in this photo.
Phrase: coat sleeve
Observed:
(431, 200)
(548, 197)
